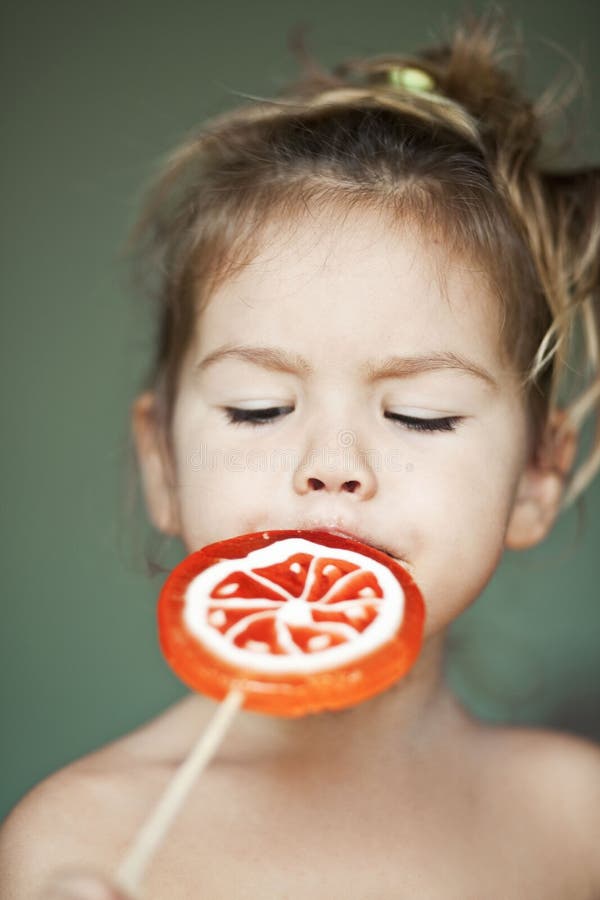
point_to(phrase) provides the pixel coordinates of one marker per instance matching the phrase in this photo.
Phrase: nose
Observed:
(343, 469)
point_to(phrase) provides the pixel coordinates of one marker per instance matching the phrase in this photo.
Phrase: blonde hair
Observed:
(463, 156)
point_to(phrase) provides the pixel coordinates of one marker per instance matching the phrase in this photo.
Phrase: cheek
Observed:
(218, 496)
(473, 482)
(460, 542)
(225, 481)
(459, 508)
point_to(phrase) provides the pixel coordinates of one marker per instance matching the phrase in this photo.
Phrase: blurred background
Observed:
(94, 94)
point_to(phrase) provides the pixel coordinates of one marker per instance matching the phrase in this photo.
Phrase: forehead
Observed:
(336, 283)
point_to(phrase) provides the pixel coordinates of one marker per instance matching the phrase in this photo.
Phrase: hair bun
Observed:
(470, 70)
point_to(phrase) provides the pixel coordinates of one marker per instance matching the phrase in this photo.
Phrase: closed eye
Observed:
(448, 423)
(257, 417)
(237, 416)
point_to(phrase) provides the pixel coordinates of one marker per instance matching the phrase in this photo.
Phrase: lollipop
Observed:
(301, 621)
(280, 622)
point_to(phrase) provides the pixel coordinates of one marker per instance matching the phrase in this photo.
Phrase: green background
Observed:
(93, 95)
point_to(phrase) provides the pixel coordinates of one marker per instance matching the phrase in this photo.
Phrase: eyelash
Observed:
(448, 423)
(258, 417)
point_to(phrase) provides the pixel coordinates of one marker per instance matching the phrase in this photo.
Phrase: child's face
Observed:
(334, 297)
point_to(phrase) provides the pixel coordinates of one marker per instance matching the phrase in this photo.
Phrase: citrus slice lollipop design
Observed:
(301, 621)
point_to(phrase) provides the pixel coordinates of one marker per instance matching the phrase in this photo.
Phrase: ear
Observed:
(156, 467)
(540, 489)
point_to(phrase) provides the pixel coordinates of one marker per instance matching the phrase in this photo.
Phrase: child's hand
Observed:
(82, 886)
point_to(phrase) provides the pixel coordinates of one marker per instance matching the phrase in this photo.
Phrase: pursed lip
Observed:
(363, 539)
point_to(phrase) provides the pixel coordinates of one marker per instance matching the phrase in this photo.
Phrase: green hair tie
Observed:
(410, 78)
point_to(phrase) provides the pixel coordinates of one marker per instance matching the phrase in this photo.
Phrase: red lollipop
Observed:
(300, 621)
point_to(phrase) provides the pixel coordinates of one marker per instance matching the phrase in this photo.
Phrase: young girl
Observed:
(369, 292)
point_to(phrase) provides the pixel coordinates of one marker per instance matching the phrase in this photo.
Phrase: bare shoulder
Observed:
(556, 778)
(554, 762)
(83, 816)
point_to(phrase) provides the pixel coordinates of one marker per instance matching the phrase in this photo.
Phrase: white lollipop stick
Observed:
(137, 857)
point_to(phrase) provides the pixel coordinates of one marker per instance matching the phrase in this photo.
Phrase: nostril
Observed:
(316, 484)
(350, 486)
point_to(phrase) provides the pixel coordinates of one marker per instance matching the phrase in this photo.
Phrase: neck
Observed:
(398, 719)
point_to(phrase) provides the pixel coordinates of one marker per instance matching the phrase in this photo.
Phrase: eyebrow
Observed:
(392, 367)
